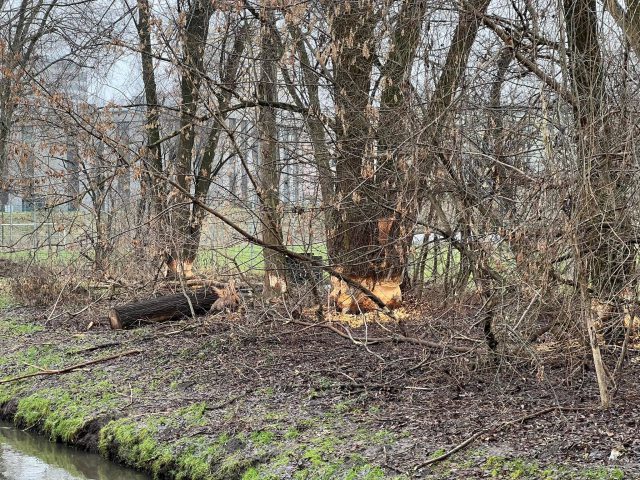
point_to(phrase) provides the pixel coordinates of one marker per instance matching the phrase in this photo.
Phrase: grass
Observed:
(15, 328)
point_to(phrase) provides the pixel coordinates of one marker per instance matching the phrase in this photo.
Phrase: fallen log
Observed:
(172, 307)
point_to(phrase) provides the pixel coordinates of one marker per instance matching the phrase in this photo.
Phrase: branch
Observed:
(70, 368)
(530, 65)
(494, 429)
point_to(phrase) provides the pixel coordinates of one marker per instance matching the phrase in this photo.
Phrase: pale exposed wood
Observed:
(352, 300)
(601, 374)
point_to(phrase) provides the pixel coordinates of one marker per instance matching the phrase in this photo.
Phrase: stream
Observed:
(26, 456)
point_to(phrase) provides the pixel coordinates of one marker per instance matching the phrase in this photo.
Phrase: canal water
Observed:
(26, 456)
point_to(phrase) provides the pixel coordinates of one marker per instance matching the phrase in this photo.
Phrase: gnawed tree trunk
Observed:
(275, 282)
(172, 307)
(397, 171)
(194, 37)
(373, 245)
(356, 236)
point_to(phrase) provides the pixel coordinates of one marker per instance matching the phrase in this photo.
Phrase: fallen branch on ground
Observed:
(96, 347)
(492, 430)
(70, 368)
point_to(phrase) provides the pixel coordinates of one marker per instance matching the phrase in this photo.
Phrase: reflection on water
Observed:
(25, 456)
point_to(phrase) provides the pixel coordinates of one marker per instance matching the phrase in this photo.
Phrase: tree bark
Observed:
(194, 38)
(628, 20)
(317, 134)
(171, 307)
(356, 232)
(153, 160)
(207, 172)
(397, 172)
(275, 282)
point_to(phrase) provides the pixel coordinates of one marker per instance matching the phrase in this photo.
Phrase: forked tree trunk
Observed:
(207, 172)
(194, 38)
(372, 242)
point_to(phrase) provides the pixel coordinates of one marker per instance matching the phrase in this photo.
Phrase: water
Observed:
(25, 456)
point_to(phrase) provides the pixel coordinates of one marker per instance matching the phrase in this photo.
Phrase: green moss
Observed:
(130, 442)
(252, 474)
(15, 328)
(54, 411)
(437, 453)
(603, 473)
(197, 457)
(263, 437)
(45, 356)
(193, 415)
(32, 410)
(6, 301)
(62, 413)
(519, 468)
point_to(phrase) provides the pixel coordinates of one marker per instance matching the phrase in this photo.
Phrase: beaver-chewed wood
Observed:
(172, 307)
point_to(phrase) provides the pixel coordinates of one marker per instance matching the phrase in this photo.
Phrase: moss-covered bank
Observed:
(178, 444)
(208, 402)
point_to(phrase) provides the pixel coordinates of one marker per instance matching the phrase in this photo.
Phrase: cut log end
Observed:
(114, 319)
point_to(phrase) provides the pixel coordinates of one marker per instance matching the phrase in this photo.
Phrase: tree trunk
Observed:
(373, 243)
(207, 172)
(194, 40)
(397, 175)
(628, 20)
(317, 135)
(153, 160)
(275, 282)
(6, 120)
(603, 256)
(358, 253)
